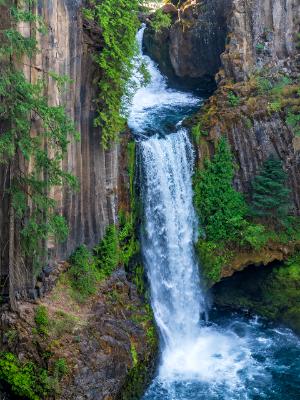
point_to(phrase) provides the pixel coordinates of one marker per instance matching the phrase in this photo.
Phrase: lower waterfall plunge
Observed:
(231, 357)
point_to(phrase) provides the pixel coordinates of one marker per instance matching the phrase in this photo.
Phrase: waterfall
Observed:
(199, 360)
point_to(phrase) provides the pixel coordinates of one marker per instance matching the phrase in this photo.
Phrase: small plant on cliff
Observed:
(33, 160)
(41, 320)
(160, 21)
(270, 196)
(233, 99)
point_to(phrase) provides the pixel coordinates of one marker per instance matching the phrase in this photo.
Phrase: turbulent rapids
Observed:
(228, 357)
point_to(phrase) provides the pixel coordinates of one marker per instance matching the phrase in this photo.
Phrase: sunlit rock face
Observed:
(260, 32)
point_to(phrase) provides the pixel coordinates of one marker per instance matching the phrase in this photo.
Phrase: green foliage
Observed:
(61, 368)
(107, 252)
(23, 102)
(134, 355)
(41, 320)
(160, 21)
(293, 120)
(211, 261)
(197, 132)
(260, 47)
(264, 84)
(83, 273)
(270, 196)
(119, 24)
(25, 379)
(129, 246)
(233, 99)
(220, 207)
(255, 236)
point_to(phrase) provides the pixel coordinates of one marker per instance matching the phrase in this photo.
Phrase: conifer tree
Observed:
(270, 196)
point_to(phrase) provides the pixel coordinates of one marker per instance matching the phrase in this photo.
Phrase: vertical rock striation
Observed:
(67, 49)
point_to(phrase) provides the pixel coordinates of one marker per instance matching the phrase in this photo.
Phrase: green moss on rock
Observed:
(272, 292)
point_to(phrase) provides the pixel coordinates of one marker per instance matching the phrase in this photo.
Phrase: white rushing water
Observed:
(192, 350)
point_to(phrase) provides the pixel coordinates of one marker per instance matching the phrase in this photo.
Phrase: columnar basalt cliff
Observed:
(67, 49)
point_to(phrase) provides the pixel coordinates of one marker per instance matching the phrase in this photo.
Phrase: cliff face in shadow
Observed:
(67, 49)
(190, 50)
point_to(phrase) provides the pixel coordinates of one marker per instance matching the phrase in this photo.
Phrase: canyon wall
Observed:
(67, 49)
(241, 41)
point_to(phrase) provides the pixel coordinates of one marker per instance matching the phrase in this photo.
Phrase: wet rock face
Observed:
(191, 48)
(197, 39)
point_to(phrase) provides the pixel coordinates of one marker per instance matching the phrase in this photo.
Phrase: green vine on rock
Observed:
(33, 160)
(119, 22)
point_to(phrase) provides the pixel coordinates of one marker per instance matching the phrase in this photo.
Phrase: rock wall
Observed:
(67, 49)
(108, 342)
(260, 32)
(191, 48)
(242, 40)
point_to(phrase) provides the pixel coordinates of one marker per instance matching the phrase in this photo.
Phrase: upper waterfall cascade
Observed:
(228, 358)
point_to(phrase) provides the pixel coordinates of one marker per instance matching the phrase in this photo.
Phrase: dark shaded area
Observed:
(188, 53)
(271, 291)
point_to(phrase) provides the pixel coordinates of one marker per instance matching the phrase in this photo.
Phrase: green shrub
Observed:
(83, 273)
(255, 236)
(60, 368)
(25, 379)
(41, 319)
(210, 261)
(197, 132)
(106, 253)
(293, 120)
(134, 355)
(221, 208)
(270, 196)
(160, 21)
(233, 99)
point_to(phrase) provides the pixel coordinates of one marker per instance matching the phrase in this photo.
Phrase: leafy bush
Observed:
(60, 368)
(260, 47)
(83, 272)
(293, 120)
(41, 319)
(160, 21)
(25, 379)
(233, 99)
(211, 261)
(255, 236)
(107, 252)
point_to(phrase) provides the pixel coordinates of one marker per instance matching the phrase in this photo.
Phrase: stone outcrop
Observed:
(191, 48)
(67, 49)
(109, 342)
